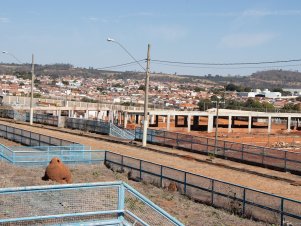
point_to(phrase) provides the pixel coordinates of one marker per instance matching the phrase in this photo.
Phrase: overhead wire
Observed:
(228, 64)
(226, 68)
(120, 65)
(240, 65)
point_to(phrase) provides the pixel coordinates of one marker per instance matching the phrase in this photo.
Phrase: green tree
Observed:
(199, 89)
(232, 87)
(204, 104)
(37, 95)
(291, 107)
(141, 87)
(66, 83)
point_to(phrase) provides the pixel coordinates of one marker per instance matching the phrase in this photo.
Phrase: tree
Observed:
(141, 87)
(66, 83)
(37, 95)
(232, 87)
(199, 89)
(291, 107)
(204, 104)
(100, 89)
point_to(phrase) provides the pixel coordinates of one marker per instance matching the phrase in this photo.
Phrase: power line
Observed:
(228, 64)
(227, 68)
(120, 65)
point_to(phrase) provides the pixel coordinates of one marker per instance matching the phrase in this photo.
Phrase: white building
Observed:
(265, 93)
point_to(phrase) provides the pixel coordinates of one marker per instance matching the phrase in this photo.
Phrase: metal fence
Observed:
(44, 119)
(106, 203)
(88, 125)
(29, 138)
(100, 126)
(41, 155)
(255, 155)
(235, 198)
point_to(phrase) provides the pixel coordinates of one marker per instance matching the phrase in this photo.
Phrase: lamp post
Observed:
(32, 83)
(145, 122)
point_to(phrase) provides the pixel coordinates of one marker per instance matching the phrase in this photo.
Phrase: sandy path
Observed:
(277, 187)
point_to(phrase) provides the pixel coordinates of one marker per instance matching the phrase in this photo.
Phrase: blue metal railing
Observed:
(90, 203)
(120, 132)
(99, 126)
(277, 159)
(42, 155)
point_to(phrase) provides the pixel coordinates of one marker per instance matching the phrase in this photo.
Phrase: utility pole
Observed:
(145, 123)
(216, 125)
(31, 97)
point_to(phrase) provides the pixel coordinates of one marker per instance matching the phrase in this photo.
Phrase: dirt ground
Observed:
(185, 210)
(242, 174)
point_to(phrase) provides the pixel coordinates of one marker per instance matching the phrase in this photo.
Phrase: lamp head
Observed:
(110, 39)
(4, 52)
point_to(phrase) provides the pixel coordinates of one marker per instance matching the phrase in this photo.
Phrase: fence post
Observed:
(191, 142)
(244, 202)
(161, 176)
(105, 159)
(30, 138)
(207, 146)
(285, 160)
(140, 172)
(39, 139)
(212, 192)
(121, 198)
(14, 133)
(185, 183)
(21, 136)
(263, 153)
(122, 163)
(224, 149)
(242, 152)
(281, 214)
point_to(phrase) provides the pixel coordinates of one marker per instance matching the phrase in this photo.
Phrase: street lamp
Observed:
(32, 83)
(145, 123)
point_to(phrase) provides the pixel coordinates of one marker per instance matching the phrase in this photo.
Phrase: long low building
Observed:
(125, 114)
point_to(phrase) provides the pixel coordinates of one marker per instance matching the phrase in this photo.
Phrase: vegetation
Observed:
(251, 103)
(86, 99)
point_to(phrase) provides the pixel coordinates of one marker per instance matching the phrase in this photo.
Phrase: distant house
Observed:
(188, 106)
(258, 93)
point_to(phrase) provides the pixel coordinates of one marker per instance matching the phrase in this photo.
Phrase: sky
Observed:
(189, 31)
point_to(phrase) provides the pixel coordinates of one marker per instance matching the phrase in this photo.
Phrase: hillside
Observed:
(263, 79)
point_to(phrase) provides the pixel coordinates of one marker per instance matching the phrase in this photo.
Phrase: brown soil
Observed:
(237, 173)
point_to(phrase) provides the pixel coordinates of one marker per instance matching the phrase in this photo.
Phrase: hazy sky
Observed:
(214, 31)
